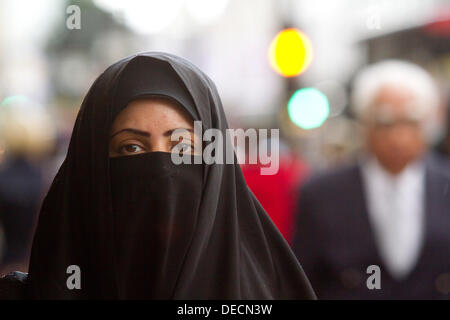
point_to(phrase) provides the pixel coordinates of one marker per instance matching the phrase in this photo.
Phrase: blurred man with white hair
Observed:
(390, 210)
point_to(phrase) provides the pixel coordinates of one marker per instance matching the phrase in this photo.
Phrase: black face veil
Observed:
(232, 250)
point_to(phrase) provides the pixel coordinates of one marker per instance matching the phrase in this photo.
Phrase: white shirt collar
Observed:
(396, 211)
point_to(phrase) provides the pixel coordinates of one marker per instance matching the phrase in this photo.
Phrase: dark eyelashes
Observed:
(122, 148)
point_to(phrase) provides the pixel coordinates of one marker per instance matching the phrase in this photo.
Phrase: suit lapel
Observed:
(362, 215)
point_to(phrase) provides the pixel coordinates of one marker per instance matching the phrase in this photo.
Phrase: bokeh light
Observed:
(290, 52)
(308, 108)
(206, 11)
(25, 126)
(145, 17)
(14, 99)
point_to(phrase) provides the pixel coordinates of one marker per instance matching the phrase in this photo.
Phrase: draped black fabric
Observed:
(155, 204)
(232, 250)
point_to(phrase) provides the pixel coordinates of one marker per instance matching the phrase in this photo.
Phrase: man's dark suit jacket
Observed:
(335, 242)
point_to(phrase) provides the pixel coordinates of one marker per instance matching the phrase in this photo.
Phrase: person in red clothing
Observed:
(278, 193)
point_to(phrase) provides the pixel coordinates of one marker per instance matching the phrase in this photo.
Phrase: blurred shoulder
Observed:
(330, 179)
(12, 286)
(439, 164)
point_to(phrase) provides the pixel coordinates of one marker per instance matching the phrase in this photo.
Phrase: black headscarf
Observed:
(232, 249)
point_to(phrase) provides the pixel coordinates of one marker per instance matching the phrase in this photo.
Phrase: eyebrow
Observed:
(169, 132)
(147, 134)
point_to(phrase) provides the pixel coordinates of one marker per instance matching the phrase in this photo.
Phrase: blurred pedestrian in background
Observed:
(444, 145)
(391, 209)
(26, 135)
(277, 193)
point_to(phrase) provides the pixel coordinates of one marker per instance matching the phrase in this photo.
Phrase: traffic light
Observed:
(290, 52)
(308, 108)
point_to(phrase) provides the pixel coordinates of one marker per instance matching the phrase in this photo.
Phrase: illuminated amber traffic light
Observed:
(290, 52)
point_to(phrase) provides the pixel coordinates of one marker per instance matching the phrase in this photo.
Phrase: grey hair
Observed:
(407, 75)
(394, 72)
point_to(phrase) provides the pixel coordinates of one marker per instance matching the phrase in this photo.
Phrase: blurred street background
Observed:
(51, 51)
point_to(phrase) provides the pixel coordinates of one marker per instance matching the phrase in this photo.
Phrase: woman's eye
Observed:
(130, 148)
(182, 148)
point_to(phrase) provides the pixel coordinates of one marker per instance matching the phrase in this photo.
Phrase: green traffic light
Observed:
(308, 108)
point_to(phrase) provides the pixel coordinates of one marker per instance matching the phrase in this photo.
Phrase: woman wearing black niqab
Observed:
(140, 226)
